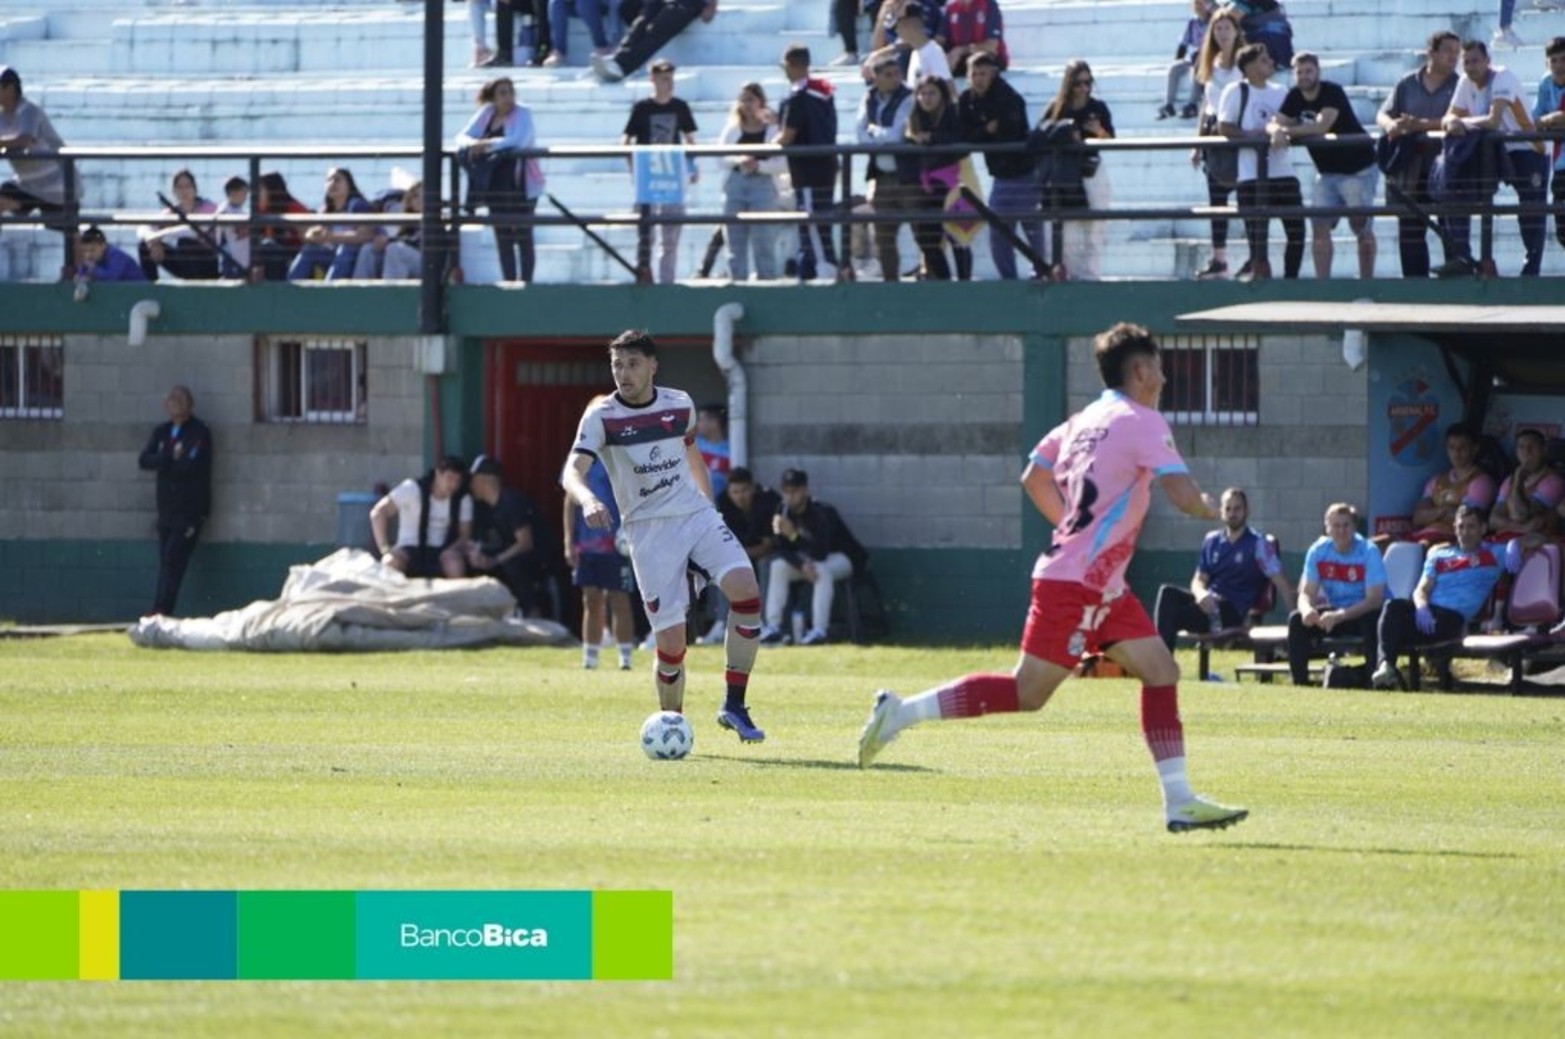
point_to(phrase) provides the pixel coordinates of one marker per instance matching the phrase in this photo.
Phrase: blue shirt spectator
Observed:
(1462, 580)
(1344, 577)
(97, 260)
(1238, 570)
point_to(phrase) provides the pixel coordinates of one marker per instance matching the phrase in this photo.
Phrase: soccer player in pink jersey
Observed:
(1092, 478)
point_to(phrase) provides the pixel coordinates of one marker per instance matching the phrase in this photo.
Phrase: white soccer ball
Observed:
(666, 736)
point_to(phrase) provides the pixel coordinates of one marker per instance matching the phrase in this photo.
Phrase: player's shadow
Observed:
(815, 763)
(1421, 852)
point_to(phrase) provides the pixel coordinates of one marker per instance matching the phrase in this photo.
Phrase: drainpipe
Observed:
(140, 314)
(723, 321)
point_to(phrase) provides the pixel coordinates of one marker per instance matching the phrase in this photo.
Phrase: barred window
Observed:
(1212, 380)
(311, 380)
(32, 376)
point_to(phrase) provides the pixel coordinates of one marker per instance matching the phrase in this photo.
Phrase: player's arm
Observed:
(574, 480)
(1425, 589)
(1284, 588)
(568, 525)
(698, 472)
(1309, 590)
(380, 520)
(1039, 483)
(1188, 497)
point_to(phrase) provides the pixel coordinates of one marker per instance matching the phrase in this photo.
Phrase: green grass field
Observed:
(1402, 873)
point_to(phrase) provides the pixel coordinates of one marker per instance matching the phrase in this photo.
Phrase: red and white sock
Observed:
(1165, 737)
(671, 681)
(968, 697)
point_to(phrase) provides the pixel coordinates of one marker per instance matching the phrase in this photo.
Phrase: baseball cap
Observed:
(795, 478)
(483, 465)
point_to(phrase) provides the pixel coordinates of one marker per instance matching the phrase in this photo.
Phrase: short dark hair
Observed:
(9, 77)
(94, 234)
(1530, 431)
(1476, 45)
(1250, 53)
(1436, 39)
(637, 339)
(235, 184)
(450, 464)
(661, 65)
(1554, 46)
(1237, 492)
(1307, 58)
(1465, 509)
(1114, 348)
(796, 54)
(739, 474)
(793, 478)
(1463, 430)
(985, 59)
(716, 410)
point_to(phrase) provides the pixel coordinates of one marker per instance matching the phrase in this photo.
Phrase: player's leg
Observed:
(660, 554)
(624, 625)
(779, 581)
(591, 625)
(835, 567)
(719, 553)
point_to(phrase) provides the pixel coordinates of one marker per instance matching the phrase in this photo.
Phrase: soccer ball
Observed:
(666, 736)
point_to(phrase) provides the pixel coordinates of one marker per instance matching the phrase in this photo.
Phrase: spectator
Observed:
(476, 9)
(1185, 55)
(1084, 238)
(747, 508)
(177, 247)
(395, 256)
(990, 111)
(1340, 591)
(1489, 97)
(334, 247)
(180, 452)
(278, 244)
(1458, 579)
(661, 119)
(1246, 112)
(1266, 22)
(97, 260)
(845, 23)
(26, 137)
(914, 38)
(434, 517)
(1345, 176)
(712, 442)
(933, 123)
(504, 544)
(1415, 107)
(1215, 68)
(1434, 517)
(1529, 496)
(499, 178)
(1504, 35)
(592, 12)
(658, 22)
(1236, 564)
(233, 239)
(521, 32)
(970, 28)
(883, 122)
(602, 573)
(813, 545)
(809, 117)
(751, 186)
(1548, 112)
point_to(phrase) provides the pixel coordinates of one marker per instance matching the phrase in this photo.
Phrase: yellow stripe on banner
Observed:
(99, 935)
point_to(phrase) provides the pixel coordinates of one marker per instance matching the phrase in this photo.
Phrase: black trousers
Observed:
(1398, 628)
(1302, 641)
(1176, 611)
(176, 540)
(188, 258)
(658, 22)
(1283, 191)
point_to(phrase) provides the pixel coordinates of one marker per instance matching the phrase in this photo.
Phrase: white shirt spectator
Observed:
(928, 60)
(1264, 103)
(1219, 81)
(1503, 86)
(410, 503)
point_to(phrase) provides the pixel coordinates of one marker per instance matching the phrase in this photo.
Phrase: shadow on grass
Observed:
(1425, 852)
(819, 763)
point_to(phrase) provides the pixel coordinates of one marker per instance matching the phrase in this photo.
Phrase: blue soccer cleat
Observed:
(737, 719)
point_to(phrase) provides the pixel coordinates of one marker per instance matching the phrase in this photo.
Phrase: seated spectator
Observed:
(1548, 113)
(990, 111)
(932, 123)
(394, 255)
(482, 54)
(602, 573)
(521, 29)
(28, 140)
(1266, 22)
(814, 545)
(592, 12)
(1185, 55)
(1340, 591)
(333, 248)
(883, 123)
(234, 240)
(658, 22)
(751, 187)
(503, 544)
(660, 119)
(906, 31)
(97, 260)
(1245, 113)
(1434, 517)
(1083, 245)
(1236, 564)
(970, 28)
(278, 245)
(176, 247)
(1458, 579)
(747, 508)
(499, 179)
(429, 542)
(1529, 496)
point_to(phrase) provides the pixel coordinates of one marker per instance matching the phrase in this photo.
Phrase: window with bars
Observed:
(311, 380)
(1212, 380)
(32, 376)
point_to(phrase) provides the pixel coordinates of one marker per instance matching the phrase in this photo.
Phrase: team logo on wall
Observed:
(1413, 414)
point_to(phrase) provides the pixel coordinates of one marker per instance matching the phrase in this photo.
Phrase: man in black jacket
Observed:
(990, 111)
(180, 452)
(814, 545)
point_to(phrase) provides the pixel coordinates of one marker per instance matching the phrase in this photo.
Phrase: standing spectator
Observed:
(233, 239)
(334, 247)
(1093, 121)
(1529, 496)
(180, 452)
(177, 247)
(751, 185)
(499, 178)
(813, 545)
(1217, 67)
(434, 517)
(661, 119)
(1185, 56)
(278, 244)
(592, 12)
(809, 117)
(883, 122)
(26, 139)
(1246, 112)
(395, 256)
(1416, 106)
(1549, 113)
(970, 28)
(658, 22)
(932, 123)
(990, 111)
(97, 260)
(913, 38)
(1490, 97)
(601, 572)
(1340, 591)
(505, 541)
(1345, 176)
(712, 442)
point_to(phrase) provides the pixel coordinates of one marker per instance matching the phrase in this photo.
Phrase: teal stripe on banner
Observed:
(474, 935)
(178, 935)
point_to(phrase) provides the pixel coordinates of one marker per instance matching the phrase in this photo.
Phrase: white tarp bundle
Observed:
(349, 601)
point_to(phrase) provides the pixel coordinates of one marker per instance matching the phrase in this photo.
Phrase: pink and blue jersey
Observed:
(1104, 459)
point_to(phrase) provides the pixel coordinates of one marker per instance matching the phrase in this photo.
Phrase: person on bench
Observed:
(1236, 562)
(1346, 571)
(1458, 579)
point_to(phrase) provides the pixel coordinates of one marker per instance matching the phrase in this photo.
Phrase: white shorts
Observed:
(665, 551)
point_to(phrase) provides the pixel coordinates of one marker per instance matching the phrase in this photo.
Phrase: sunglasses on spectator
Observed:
(1084, 82)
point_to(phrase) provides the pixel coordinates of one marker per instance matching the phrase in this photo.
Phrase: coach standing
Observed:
(180, 452)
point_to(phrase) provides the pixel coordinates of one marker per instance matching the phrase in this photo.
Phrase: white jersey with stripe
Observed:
(643, 448)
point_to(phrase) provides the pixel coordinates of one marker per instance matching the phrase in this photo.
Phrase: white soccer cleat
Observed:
(1200, 814)
(878, 729)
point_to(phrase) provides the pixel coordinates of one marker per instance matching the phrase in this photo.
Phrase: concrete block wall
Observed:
(912, 438)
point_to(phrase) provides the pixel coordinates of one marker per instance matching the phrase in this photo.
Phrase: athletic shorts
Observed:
(422, 562)
(609, 571)
(665, 550)
(1067, 620)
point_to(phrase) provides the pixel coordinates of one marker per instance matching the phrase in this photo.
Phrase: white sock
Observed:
(589, 656)
(921, 707)
(625, 649)
(1176, 788)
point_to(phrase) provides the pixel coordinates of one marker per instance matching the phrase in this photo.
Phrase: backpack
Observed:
(842, 537)
(1338, 675)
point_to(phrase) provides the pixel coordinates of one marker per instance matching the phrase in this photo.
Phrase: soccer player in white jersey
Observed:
(645, 436)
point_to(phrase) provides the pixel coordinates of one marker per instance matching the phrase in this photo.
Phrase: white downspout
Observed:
(143, 312)
(723, 321)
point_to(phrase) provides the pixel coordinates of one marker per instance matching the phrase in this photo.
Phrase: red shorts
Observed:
(1067, 620)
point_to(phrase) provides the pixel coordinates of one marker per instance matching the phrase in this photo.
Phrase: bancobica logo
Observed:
(485, 936)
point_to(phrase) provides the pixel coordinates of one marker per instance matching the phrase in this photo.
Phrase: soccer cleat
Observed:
(737, 719)
(1201, 814)
(877, 730)
(1386, 676)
